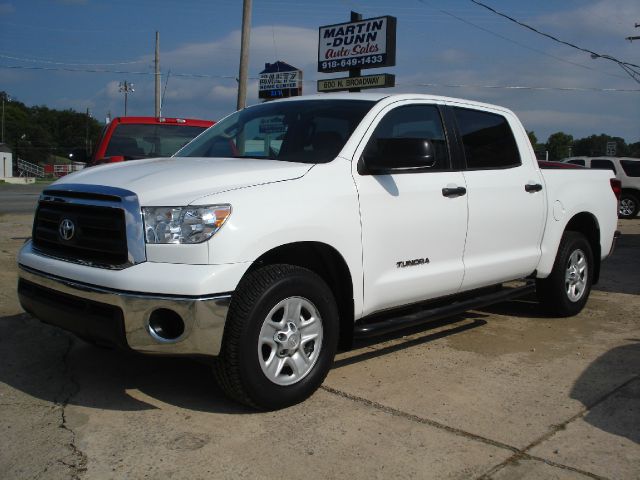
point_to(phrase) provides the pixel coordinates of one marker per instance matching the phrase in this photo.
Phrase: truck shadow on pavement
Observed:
(610, 389)
(621, 271)
(407, 338)
(50, 364)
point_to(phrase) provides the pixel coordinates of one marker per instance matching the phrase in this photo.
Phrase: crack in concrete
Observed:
(79, 466)
(518, 453)
(415, 418)
(552, 431)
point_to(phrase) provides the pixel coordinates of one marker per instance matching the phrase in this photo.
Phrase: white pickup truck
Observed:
(291, 227)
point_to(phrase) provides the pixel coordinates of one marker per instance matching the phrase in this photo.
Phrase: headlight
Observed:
(183, 224)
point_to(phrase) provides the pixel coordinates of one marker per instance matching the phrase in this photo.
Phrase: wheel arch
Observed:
(587, 224)
(330, 265)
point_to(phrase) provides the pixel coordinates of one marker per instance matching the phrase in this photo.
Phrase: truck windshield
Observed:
(306, 131)
(134, 141)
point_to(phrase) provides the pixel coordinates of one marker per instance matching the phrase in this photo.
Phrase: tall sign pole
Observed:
(157, 65)
(355, 72)
(244, 55)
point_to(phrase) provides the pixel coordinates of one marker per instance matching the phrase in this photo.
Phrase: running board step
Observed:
(382, 327)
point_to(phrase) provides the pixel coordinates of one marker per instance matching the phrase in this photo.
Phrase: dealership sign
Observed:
(369, 43)
(347, 83)
(279, 80)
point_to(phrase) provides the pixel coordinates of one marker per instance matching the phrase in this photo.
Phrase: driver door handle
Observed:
(452, 192)
(533, 187)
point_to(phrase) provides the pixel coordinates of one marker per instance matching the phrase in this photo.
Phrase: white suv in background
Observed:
(627, 170)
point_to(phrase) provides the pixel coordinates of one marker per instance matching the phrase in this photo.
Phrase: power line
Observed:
(527, 47)
(629, 68)
(314, 80)
(52, 62)
(119, 72)
(524, 87)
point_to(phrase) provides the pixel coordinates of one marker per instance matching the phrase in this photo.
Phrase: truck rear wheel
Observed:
(280, 337)
(565, 291)
(628, 205)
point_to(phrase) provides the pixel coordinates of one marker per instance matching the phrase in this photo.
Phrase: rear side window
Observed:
(487, 139)
(135, 141)
(602, 164)
(631, 167)
(577, 162)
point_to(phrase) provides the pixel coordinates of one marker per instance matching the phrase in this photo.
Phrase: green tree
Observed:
(533, 139)
(596, 145)
(39, 133)
(559, 145)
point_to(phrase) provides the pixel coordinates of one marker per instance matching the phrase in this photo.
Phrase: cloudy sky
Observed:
(73, 53)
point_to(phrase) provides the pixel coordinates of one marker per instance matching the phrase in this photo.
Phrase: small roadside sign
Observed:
(612, 149)
(279, 80)
(382, 80)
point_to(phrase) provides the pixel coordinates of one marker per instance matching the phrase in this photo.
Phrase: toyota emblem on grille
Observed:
(66, 229)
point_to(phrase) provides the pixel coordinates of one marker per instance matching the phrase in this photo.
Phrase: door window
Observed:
(631, 167)
(413, 121)
(487, 138)
(603, 164)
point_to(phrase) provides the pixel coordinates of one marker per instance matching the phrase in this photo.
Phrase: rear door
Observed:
(505, 197)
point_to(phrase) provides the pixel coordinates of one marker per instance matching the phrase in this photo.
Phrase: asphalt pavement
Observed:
(499, 393)
(19, 198)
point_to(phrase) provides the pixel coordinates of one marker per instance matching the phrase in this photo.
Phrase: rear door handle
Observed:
(452, 192)
(533, 187)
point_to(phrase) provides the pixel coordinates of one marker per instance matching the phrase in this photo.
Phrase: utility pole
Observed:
(355, 72)
(126, 88)
(86, 133)
(157, 64)
(244, 55)
(5, 97)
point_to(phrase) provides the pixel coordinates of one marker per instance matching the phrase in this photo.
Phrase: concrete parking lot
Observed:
(499, 393)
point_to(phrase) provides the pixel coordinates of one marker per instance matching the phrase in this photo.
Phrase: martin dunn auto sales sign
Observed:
(367, 43)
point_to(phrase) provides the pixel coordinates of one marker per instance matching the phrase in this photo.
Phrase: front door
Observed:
(413, 236)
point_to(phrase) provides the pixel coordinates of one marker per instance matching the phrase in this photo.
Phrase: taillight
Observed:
(616, 186)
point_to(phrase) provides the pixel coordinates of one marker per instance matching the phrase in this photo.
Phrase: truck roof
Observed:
(376, 97)
(163, 120)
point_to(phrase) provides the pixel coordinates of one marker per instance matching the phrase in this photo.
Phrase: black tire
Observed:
(628, 205)
(559, 295)
(239, 367)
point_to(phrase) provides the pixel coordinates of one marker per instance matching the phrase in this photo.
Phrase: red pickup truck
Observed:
(133, 138)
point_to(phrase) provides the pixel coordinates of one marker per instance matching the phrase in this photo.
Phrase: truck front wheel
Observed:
(566, 290)
(280, 337)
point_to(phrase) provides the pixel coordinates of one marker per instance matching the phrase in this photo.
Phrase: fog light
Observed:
(165, 325)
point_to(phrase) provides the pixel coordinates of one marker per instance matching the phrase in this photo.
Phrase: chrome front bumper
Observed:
(54, 300)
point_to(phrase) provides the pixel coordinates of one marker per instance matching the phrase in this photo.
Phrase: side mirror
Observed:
(396, 155)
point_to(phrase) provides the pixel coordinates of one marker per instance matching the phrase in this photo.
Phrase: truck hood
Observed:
(181, 181)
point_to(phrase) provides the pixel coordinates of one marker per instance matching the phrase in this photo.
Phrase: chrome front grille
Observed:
(99, 235)
(89, 224)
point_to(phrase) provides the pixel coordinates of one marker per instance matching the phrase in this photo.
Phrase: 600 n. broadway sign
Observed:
(369, 43)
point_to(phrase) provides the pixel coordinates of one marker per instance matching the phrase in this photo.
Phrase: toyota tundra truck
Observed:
(292, 227)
